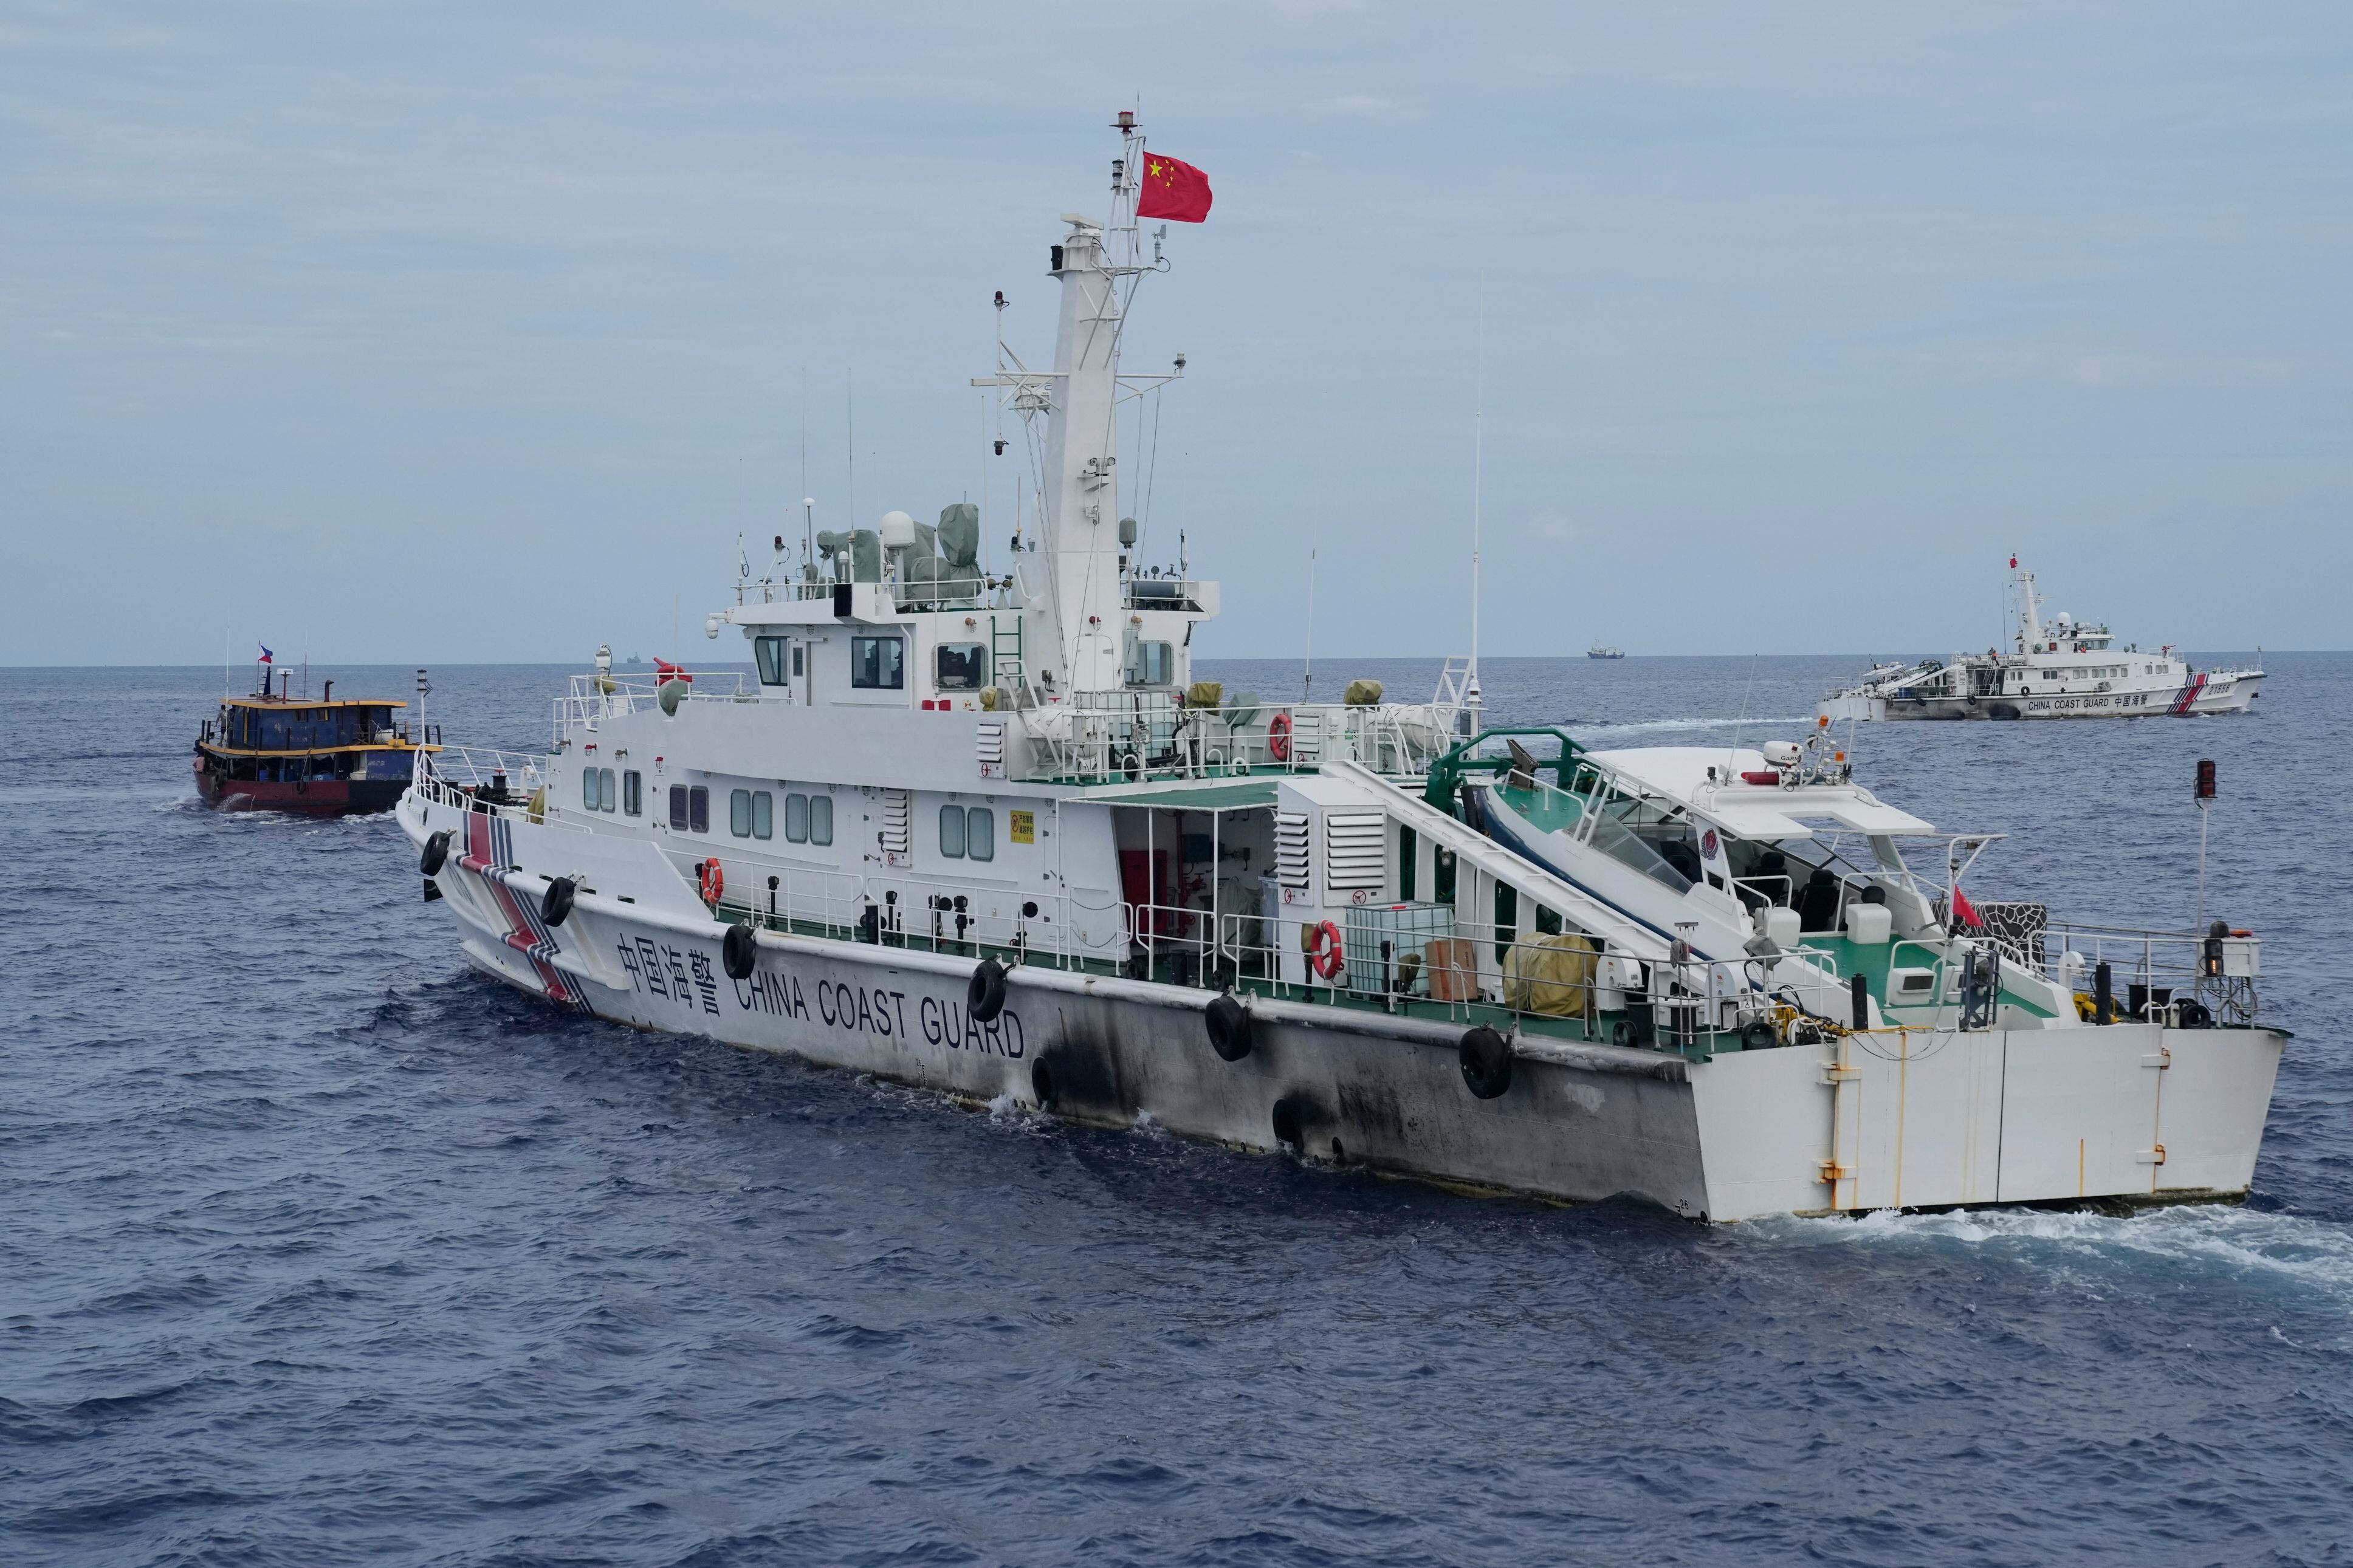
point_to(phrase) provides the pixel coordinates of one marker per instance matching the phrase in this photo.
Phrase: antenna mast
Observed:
(1478, 475)
(809, 502)
(1314, 539)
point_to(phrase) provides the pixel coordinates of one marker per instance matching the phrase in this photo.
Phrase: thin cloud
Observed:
(1364, 106)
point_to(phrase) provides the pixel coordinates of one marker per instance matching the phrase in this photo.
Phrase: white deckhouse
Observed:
(981, 831)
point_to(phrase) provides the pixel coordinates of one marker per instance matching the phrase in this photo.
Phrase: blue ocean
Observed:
(317, 1248)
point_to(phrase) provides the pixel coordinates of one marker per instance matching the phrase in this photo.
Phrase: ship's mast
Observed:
(2030, 614)
(1076, 601)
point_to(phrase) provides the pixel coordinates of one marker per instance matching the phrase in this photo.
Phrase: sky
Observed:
(448, 332)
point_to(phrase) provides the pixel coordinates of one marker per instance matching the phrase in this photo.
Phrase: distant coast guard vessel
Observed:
(981, 831)
(2067, 668)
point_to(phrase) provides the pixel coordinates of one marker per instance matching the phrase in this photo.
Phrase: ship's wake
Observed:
(2255, 1247)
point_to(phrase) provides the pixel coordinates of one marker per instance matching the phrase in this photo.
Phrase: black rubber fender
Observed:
(739, 952)
(436, 850)
(1229, 1023)
(1041, 1084)
(984, 994)
(555, 905)
(1486, 1062)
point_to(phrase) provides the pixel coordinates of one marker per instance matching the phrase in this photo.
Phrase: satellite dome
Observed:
(898, 530)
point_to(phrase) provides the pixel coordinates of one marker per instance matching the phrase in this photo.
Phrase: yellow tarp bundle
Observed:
(1205, 694)
(1549, 976)
(1362, 694)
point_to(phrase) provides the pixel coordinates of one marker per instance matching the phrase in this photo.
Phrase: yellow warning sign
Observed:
(1025, 826)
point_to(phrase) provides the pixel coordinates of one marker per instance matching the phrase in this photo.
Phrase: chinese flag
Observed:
(1172, 190)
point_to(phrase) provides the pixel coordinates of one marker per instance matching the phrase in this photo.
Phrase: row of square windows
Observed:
(965, 832)
(750, 812)
(879, 663)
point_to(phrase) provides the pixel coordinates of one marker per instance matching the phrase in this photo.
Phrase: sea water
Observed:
(317, 1248)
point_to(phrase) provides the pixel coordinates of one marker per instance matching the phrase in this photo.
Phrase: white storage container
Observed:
(1869, 925)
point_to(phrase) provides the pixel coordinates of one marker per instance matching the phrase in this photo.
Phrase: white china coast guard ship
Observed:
(982, 833)
(2064, 669)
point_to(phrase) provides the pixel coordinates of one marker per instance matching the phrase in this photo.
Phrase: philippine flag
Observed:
(265, 654)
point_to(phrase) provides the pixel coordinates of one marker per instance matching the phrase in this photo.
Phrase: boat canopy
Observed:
(1773, 815)
(1763, 813)
(1241, 794)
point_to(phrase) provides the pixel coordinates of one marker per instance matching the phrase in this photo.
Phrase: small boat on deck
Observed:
(322, 756)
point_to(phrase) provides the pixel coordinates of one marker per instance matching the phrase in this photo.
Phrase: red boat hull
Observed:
(309, 797)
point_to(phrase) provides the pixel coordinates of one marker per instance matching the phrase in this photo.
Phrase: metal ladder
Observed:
(1005, 654)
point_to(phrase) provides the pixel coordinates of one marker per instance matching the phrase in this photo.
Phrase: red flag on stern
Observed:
(1171, 189)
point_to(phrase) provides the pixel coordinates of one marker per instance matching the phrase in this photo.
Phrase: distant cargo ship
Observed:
(1603, 650)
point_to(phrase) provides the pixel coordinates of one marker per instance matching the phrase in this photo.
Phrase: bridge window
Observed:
(820, 819)
(633, 792)
(769, 652)
(689, 809)
(1151, 664)
(952, 832)
(878, 664)
(796, 818)
(980, 833)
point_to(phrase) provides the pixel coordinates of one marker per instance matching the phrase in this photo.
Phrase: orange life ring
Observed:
(710, 880)
(1326, 956)
(1277, 741)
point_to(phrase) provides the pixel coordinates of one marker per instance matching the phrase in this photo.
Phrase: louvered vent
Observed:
(898, 813)
(1353, 853)
(1307, 738)
(1291, 846)
(991, 746)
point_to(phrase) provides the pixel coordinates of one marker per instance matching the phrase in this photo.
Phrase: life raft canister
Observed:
(1278, 737)
(1325, 954)
(710, 880)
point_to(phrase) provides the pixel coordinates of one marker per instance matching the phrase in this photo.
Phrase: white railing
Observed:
(1138, 737)
(475, 778)
(927, 915)
(594, 697)
(1465, 971)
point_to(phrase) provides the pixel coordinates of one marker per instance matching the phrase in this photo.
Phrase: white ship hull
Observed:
(1887, 1118)
(2219, 694)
